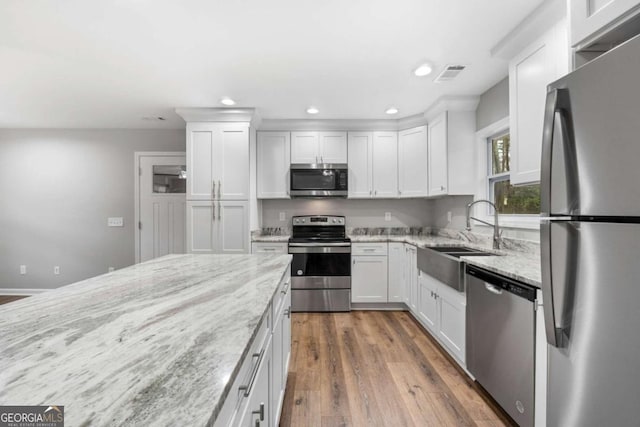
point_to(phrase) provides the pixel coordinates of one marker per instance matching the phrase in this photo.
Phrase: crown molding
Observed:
(216, 114)
(328, 125)
(530, 28)
(451, 103)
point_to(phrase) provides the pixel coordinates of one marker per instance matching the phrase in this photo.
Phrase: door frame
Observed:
(138, 155)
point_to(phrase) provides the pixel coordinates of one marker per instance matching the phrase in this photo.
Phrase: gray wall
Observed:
(494, 104)
(359, 213)
(58, 187)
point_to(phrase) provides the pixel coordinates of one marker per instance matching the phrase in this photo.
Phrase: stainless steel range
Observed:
(321, 267)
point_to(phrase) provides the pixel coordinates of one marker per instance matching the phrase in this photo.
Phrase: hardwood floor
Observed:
(373, 368)
(7, 298)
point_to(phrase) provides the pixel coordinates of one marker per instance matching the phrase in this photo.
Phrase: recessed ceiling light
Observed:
(392, 110)
(423, 70)
(227, 101)
(312, 110)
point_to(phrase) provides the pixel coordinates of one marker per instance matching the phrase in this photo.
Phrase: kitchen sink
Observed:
(444, 263)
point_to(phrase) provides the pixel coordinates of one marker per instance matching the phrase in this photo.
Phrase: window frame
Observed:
(486, 178)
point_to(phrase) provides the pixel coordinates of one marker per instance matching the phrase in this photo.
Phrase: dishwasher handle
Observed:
(497, 284)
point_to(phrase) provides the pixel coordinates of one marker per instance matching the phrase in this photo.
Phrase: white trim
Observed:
(531, 222)
(9, 292)
(542, 19)
(216, 114)
(451, 103)
(136, 192)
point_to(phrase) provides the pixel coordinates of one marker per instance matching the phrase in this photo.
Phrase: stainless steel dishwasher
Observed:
(501, 341)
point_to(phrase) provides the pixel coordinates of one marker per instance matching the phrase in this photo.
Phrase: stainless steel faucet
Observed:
(496, 227)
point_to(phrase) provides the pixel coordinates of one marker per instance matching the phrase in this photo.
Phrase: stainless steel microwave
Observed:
(319, 180)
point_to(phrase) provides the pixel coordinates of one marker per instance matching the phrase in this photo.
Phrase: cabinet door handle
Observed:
(213, 211)
(257, 422)
(375, 193)
(288, 312)
(285, 289)
(259, 412)
(213, 189)
(442, 187)
(219, 190)
(254, 373)
(219, 211)
(399, 192)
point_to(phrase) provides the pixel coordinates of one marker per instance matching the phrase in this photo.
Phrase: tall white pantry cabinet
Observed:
(218, 187)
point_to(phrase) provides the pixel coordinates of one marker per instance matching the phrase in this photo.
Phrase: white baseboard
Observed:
(20, 291)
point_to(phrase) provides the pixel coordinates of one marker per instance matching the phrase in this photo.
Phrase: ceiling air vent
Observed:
(449, 73)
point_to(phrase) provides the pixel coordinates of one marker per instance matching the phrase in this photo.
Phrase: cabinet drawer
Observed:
(236, 399)
(268, 248)
(369, 249)
(279, 298)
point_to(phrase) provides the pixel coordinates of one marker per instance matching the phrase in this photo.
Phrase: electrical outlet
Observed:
(56, 269)
(283, 217)
(110, 269)
(387, 216)
(115, 221)
(449, 216)
(23, 269)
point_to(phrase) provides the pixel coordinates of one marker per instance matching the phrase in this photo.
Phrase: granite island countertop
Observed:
(157, 343)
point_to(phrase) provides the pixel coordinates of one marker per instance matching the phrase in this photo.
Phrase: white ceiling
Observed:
(108, 63)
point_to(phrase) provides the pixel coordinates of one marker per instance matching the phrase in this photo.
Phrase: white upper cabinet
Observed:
(451, 151)
(385, 164)
(304, 147)
(318, 147)
(591, 19)
(413, 153)
(274, 151)
(332, 147)
(438, 166)
(217, 161)
(542, 62)
(360, 153)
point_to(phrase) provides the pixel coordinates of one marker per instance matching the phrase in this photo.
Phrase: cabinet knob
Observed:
(442, 187)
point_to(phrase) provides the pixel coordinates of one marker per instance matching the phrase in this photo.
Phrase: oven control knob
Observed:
(299, 272)
(334, 220)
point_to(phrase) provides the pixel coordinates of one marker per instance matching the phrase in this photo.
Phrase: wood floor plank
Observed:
(336, 421)
(5, 299)
(333, 390)
(368, 368)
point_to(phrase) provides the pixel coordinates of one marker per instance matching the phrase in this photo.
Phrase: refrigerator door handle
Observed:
(557, 139)
(547, 286)
(551, 107)
(559, 249)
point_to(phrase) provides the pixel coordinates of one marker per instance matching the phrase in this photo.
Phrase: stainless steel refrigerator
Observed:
(590, 242)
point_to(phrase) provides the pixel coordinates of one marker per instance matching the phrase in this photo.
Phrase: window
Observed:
(509, 199)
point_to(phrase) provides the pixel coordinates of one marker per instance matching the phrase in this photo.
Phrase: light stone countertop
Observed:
(521, 266)
(524, 267)
(158, 343)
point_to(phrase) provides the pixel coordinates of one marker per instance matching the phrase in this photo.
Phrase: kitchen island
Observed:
(157, 343)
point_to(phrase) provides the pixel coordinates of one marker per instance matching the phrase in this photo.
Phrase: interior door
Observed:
(161, 204)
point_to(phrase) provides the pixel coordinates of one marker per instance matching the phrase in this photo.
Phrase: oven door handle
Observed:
(316, 245)
(319, 249)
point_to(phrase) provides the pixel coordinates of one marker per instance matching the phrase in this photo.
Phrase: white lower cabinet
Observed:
(257, 394)
(218, 227)
(369, 278)
(411, 278)
(256, 413)
(396, 272)
(442, 310)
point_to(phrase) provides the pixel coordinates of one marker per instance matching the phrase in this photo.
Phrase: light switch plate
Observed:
(387, 216)
(115, 221)
(23, 269)
(283, 217)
